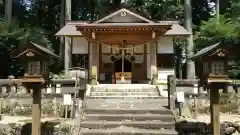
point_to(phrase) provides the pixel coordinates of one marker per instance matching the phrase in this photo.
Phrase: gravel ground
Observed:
(223, 117)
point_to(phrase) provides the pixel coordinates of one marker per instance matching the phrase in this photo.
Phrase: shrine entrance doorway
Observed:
(123, 67)
(118, 65)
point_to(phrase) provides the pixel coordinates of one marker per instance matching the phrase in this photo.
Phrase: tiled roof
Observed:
(70, 29)
(204, 51)
(44, 49)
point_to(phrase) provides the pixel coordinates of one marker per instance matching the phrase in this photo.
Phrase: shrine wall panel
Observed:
(139, 49)
(106, 49)
(165, 45)
(79, 45)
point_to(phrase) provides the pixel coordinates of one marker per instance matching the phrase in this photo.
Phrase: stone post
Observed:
(171, 91)
(55, 107)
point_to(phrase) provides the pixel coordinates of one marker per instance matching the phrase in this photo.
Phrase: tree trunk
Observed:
(68, 41)
(8, 10)
(91, 4)
(62, 23)
(217, 10)
(188, 25)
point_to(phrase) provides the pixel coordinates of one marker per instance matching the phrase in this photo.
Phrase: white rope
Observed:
(121, 48)
(113, 46)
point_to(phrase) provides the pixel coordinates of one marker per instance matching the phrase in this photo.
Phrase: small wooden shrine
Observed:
(35, 59)
(212, 62)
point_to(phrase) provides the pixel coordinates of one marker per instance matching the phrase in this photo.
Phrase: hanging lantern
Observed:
(113, 58)
(132, 58)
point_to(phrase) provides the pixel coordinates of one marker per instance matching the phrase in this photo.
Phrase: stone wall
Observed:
(200, 128)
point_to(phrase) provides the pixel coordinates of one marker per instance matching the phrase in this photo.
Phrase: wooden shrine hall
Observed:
(122, 44)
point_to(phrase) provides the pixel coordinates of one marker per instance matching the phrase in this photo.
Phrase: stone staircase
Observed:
(107, 114)
(124, 91)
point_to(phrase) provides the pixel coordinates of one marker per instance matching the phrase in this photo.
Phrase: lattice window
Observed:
(205, 68)
(34, 67)
(44, 67)
(218, 68)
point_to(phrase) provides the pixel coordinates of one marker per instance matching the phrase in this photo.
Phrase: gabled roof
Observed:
(44, 49)
(69, 30)
(124, 10)
(205, 50)
(177, 30)
(33, 47)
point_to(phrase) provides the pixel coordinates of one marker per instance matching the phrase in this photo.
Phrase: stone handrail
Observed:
(187, 81)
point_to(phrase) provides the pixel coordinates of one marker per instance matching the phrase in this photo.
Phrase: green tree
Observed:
(11, 36)
(226, 31)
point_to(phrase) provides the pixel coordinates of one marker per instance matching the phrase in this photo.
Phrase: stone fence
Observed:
(15, 99)
(57, 86)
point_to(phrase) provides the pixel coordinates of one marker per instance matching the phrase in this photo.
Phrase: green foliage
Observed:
(211, 32)
(158, 9)
(226, 31)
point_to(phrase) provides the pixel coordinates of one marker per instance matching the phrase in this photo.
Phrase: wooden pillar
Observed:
(214, 108)
(36, 110)
(93, 58)
(153, 59)
(171, 91)
(67, 57)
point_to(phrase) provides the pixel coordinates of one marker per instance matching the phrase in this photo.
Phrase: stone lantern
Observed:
(35, 59)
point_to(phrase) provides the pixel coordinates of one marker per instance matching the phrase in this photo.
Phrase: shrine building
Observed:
(122, 43)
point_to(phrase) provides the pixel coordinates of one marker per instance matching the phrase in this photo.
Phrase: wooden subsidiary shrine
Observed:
(35, 59)
(212, 62)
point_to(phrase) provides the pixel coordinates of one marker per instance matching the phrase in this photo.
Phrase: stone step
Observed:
(156, 124)
(132, 117)
(126, 97)
(127, 131)
(123, 90)
(162, 111)
(124, 93)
